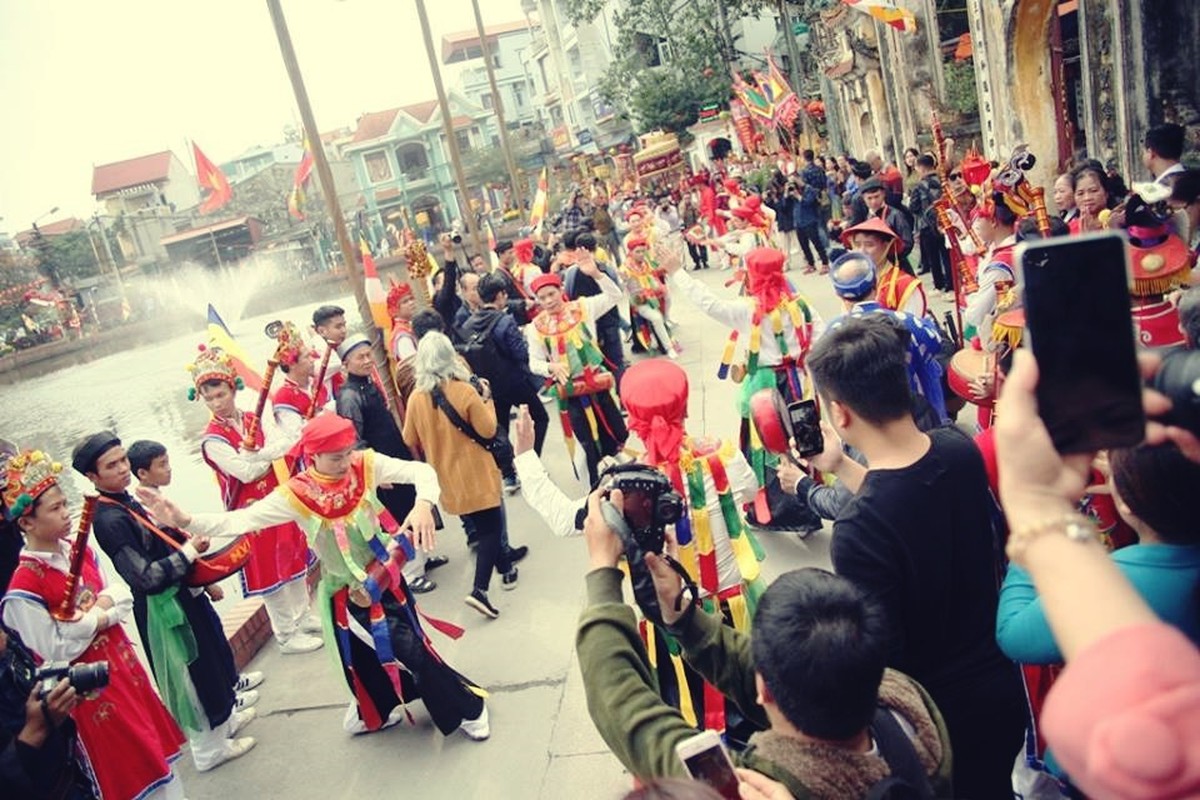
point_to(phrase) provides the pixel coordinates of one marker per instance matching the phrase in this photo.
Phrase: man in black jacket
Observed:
(504, 362)
(608, 327)
(361, 400)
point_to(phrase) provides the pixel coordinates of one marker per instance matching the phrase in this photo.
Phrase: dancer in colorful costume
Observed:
(898, 290)
(647, 297)
(127, 739)
(778, 326)
(369, 612)
(401, 307)
(293, 402)
(185, 642)
(248, 466)
(563, 348)
(715, 546)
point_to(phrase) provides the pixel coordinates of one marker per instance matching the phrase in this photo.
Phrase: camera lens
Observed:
(88, 677)
(456, 238)
(1179, 380)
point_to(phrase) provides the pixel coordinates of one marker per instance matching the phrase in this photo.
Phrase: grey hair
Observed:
(437, 361)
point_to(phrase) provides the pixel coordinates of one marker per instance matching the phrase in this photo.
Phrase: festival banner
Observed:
(220, 336)
(888, 12)
(537, 211)
(376, 296)
(298, 196)
(210, 177)
(742, 124)
(753, 99)
(787, 104)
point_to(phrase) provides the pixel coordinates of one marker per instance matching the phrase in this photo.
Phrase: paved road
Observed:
(543, 744)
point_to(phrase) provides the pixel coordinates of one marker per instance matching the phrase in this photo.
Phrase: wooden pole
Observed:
(325, 175)
(498, 105)
(448, 128)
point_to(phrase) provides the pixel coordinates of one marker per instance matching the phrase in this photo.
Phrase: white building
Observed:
(507, 43)
(565, 64)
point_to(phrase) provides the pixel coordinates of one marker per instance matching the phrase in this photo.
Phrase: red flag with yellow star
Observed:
(210, 177)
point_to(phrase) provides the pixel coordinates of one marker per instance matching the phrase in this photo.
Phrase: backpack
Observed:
(478, 347)
(908, 780)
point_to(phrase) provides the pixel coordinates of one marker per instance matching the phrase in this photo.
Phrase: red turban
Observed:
(544, 280)
(396, 293)
(327, 433)
(767, 283)
(655, 393)
(635, 242)
(524, 250)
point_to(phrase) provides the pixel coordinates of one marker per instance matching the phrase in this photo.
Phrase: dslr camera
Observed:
(651, 504)
(1179, 379)
(19, 669)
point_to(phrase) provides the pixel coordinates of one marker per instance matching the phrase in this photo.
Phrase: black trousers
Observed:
(935, 260)
(809, 236)
(490, 554)
(541, 423)
(611, 435)
(699, 254)
(443, 690)
(608, 339)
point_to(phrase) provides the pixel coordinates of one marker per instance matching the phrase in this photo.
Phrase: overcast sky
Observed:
(85, 83)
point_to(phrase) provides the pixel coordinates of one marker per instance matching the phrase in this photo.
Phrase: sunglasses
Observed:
(955, 176)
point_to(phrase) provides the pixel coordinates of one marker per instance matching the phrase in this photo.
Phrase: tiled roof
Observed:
(421, 112)
(131, 172)
(455, 45)
(374, 124)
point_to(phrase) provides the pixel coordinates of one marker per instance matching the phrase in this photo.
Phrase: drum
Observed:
(965, 366)
(768, 412)
(593, 382)
(220, 565)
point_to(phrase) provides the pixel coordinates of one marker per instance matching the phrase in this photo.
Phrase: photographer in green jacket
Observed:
(834, 721)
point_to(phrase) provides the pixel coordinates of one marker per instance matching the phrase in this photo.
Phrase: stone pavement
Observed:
(543, 744)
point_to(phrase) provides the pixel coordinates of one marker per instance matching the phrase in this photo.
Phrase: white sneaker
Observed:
(240, 719)
(300, 642)
(354, 725)
(477, 729)
(234, 748)
(311, 624)
(247, 681)
(245, 699)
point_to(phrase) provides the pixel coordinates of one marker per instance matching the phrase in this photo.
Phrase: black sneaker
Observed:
(515, 554)
(509, 581)
(512, 485)
(478, 600)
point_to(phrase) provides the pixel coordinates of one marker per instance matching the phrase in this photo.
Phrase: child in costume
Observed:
(127, 739)
(647, 297)
(369, 612)
(248, 466)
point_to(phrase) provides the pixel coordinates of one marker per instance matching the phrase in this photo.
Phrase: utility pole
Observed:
(797, 74)
(498, 106)
(325, 175)
(448, 129)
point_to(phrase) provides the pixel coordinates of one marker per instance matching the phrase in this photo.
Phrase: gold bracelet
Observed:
(1075, 526)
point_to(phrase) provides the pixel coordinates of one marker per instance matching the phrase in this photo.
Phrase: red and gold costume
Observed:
(1161, 262)
(897, 290)
(126, 737)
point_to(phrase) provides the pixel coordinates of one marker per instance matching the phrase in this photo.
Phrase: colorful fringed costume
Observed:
(715, 547)
(384, 653)
(1161, 262)
(586, 405)
(647, 298)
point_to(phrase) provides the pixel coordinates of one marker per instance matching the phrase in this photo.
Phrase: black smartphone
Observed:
(1079, 325)
(806, 427)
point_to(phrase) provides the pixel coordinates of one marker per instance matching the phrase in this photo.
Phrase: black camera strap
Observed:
(457, 421)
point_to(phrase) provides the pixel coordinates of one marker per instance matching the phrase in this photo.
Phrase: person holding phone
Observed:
(811, 676)
(917, 539)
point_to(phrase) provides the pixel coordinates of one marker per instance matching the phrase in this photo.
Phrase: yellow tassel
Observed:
(739, 613)
(746, 560)
(651, 649)
(755, 338)
(776, 322)
(685, 694)
(591, 418)
(687, 557)
(702, 534)
(727, 353)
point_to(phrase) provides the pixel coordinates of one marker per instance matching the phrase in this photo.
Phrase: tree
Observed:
(73, 256)
(672, 57)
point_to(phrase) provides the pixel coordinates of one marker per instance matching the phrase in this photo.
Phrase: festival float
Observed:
(659, 159)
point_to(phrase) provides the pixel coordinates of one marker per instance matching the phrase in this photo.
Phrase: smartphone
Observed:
(1079, 324)
(806, 427)
(705, 759)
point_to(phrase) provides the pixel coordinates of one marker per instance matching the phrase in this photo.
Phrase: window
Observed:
(464, 141)
(485, 100)
(378, 168)
(496, 142)
(496, 60)
(518, 95)
(575, 60)
(413, 160)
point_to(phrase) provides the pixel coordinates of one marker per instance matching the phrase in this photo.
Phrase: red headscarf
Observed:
(655, 392)
(524, 250)
(765, 278)
(327, 433)
(634, 242)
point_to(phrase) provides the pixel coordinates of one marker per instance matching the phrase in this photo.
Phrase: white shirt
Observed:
(276, 509)
(595, 306)
(54, 640)
(250, 465)
(738, 314)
